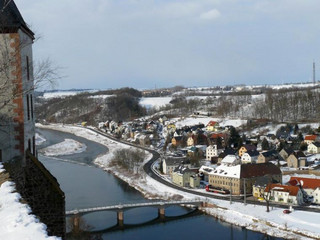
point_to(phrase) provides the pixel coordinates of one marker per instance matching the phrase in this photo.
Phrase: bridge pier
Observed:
(120, 218)
(76, 223)
(161, 212)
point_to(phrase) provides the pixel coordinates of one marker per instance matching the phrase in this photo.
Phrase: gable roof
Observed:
(261, 169)
(292, 190)
(310, 137)
(252, 153)
(270, 153)
(11, 19)
(172, 161)
(249, 147)
(305, 182)
(317, 144)
(212, 123)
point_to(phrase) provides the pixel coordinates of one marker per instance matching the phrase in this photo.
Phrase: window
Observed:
(29, 145)
(28, 107)
(28, 68)
(34, 145)
(31, 103)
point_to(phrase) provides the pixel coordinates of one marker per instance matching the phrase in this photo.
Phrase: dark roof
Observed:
(250, 147)
(264, 181)
(256, 170)
(299, 154)
(271, 153)
(171, 161)
(252, 153)
(182, 169)
(11, 19)
(288, 150)
(317, 144)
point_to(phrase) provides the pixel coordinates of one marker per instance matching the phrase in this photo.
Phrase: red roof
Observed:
(310, 137)
(292, 190)
(217, 135)
(212, 123)
(305, 182)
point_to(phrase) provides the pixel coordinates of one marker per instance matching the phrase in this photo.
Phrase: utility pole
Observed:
(244, 192)
(230, 190)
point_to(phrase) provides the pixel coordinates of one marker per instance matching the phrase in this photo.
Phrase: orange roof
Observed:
(292, 190)
(310, 137)
(307, 182)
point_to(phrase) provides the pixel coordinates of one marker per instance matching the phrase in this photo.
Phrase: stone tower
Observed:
(17, 122)
(16, 85)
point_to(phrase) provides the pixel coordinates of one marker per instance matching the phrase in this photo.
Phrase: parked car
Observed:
(286, 211)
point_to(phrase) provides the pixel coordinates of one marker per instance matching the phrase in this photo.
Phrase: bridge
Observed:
(120, 208)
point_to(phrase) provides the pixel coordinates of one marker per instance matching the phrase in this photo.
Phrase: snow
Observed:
(63, 94)
(39, 139)
(190, 121)
(156, 102)
(16, 221)
(67, 147)
(297, 225)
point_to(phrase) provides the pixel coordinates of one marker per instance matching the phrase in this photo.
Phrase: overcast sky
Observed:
(162, 43)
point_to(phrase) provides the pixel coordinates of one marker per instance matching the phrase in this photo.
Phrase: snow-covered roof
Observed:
(229, 159)
(227, 171)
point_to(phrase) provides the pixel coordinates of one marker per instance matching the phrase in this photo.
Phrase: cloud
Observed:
(210, 15)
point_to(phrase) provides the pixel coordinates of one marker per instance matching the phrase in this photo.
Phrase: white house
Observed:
(314, 147)
(213, 151)
(310, 185)
(250, 157)
(230, 160)
(284, 194)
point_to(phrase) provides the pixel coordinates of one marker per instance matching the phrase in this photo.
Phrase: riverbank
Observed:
(297, 225)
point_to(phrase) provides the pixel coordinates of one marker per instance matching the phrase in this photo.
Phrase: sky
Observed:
(147, 44)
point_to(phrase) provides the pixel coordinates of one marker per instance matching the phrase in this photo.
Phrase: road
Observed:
(155, 156)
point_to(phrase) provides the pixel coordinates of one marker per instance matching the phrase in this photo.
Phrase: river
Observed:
(88, 186)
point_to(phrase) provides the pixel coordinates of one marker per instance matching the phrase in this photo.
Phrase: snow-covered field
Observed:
(297, 225)
(16, 220)
(205, 120)
(67, 147)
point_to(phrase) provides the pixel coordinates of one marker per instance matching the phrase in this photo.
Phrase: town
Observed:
(218, 159)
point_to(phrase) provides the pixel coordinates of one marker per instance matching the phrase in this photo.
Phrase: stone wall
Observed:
(41, 192)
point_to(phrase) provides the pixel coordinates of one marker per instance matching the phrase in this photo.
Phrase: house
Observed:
(230, 160)
(314, 147)
(311, 138)
(245, 148)
(227, 151)
(250, 156)
(285, 152)
(192, 140)
(212, 126)
(260, 185)
(204, 172)
(177, 141)
(285, 194)
(213, 151)
(233, 177)
(310, 185)
(169, 163)
(214, 138)
(267, 156)
(297, 159)
(185, 177)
